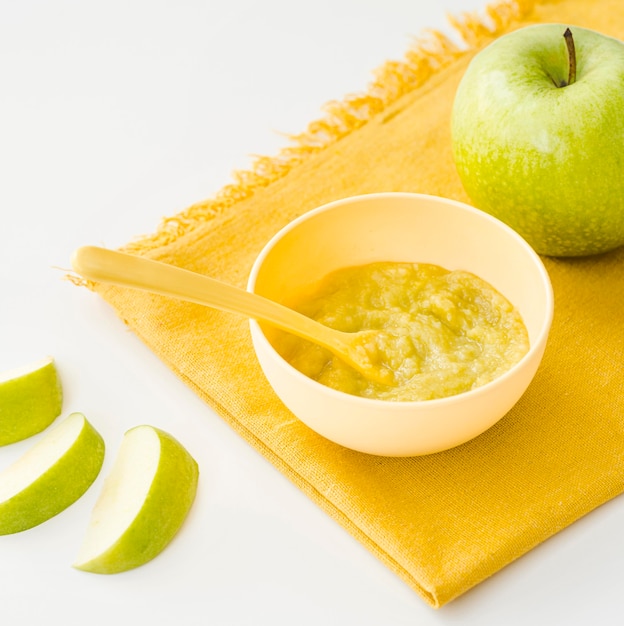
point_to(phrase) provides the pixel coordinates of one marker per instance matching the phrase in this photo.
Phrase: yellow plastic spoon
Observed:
(359, 349)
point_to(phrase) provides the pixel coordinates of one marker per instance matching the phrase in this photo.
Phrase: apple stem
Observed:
(569, 39)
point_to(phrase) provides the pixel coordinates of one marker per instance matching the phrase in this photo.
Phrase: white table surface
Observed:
(113, 115)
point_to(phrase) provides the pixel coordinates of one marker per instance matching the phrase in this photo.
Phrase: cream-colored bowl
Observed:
(409, 228)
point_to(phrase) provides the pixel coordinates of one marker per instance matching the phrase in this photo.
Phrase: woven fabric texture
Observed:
(446, 521)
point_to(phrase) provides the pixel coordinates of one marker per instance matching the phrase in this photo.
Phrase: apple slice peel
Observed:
(51, 475)
(143, 503)
(31, 398)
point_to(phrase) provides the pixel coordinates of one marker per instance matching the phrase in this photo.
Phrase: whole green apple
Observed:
(538, 137)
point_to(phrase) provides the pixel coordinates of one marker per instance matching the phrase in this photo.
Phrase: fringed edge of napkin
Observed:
(430, 52)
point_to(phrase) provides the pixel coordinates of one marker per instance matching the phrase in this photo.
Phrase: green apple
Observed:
(31, 398)
(538, 137)
(144, 501)
(51, 475)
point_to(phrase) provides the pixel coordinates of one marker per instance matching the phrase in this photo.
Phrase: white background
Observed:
(113, 115)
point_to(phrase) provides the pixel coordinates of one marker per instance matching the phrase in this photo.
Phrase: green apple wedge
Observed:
(31, 398)
(51, 475)
(538, 136)
(144, 501)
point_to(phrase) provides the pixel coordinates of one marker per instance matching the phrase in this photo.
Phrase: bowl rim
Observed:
(534, 347)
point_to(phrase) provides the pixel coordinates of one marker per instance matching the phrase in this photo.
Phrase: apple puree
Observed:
(450, 331)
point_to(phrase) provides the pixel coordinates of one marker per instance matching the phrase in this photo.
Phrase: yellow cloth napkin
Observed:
(447, 521)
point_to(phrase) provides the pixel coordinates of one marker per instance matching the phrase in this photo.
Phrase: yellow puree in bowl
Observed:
(454, 331)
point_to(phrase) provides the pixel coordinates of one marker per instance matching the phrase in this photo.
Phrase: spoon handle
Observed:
(127, 270)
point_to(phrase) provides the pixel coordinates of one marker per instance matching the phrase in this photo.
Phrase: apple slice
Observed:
(51, 475)
(31, 398)
(144, 501)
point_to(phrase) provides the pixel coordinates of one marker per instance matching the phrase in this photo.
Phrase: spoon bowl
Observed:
(393, 227)
(411, 228)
